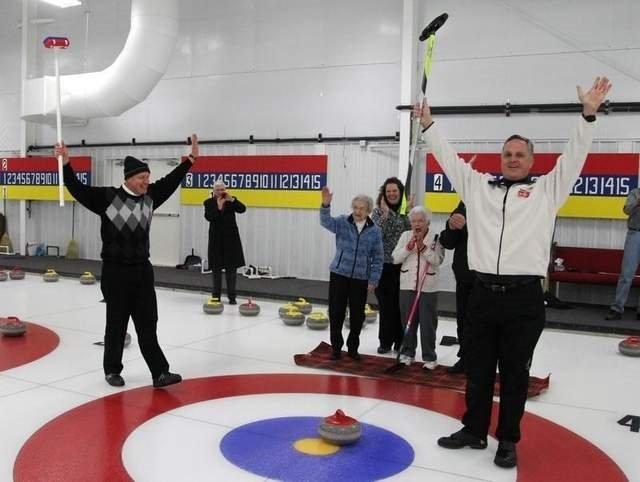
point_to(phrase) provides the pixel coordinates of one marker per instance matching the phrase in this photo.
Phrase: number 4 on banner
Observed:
(631, 421)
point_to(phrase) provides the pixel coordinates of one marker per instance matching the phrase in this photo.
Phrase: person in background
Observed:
(127, 280)
(510, 222)
(420, 254)
(630, 258)
(355, 269)
(393, 223)
(455, 236)
(225, 246)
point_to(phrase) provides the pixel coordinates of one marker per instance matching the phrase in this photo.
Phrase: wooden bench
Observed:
(589, 266)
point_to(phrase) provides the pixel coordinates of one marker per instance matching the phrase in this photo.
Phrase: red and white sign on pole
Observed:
(57, 43)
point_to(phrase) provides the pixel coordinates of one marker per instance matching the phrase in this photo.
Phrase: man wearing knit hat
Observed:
(127, 281)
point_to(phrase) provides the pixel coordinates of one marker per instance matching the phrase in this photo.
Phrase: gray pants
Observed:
(426, 316)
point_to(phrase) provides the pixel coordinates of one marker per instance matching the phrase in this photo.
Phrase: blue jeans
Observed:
(630, 261)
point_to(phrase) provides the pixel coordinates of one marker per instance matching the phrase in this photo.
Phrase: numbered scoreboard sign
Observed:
(600, 192)
(36, 178)
(263, 181)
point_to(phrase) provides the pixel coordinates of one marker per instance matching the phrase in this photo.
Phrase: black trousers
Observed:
(230, 276)
(502, 329)
(345, 291)
(388, 293)
(463, 294)
(128, 291)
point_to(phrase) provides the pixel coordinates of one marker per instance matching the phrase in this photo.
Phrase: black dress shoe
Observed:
(613, 315)
(506, 456)
(462, 439)
(335, 355)
(458, 367)
(114, 379)
(382, 350)
(165, 379)
(232, 301)
(355, 356)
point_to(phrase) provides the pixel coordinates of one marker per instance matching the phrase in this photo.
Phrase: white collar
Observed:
(129, 191)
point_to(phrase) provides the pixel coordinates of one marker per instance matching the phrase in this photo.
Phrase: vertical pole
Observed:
(58, 127)
(22, 243)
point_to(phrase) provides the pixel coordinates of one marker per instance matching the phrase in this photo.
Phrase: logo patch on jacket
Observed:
(523, 193)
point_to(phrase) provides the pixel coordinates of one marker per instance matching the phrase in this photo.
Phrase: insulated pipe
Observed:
(125, 83)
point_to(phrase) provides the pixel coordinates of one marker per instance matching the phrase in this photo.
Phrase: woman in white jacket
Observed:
(419, 250)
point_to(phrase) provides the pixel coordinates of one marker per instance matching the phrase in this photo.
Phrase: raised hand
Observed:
(592, 99)
(423, 112)
(411, 202)
(384, 207)
(60, 149)
(457, 221)
(327, 196)
(195, 148)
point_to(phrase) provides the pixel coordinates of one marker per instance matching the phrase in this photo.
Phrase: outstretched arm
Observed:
(162, 189)
(326, 221)
(92, 198)
(559, 182)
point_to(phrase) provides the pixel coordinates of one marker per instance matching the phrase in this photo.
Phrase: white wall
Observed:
(295, 68)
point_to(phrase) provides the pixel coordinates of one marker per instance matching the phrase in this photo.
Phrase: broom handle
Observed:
(414, 306)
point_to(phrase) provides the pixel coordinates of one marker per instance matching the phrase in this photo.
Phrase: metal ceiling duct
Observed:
(125, 83)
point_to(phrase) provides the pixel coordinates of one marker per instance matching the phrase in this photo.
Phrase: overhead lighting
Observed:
(63, 3)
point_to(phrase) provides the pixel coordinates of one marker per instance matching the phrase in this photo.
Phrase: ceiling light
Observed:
(63, 3)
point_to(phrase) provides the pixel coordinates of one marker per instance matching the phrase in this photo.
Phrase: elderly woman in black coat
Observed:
(225, 247)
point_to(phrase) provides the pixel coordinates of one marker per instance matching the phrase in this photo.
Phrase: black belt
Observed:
(502, 284)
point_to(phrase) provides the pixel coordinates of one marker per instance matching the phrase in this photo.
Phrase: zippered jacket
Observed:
(510, 227)
(413, 264)
(358, 255)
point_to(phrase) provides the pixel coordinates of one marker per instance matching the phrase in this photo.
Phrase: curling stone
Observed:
(16, 273)
(213, 306)
(87, 278)
(317, 321)
(3, 275)
(12, 326)
(340, 429)
(630, 346)
(370, 315)
(292, 317)
(287, 308)
(249, 308)
(303, 306)
(50, 276)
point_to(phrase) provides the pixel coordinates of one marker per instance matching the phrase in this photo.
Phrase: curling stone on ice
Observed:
(16, 273)
(249, 308)
(630, 346)
(292, 317)
(87, 278)
(370, 315)
(340, 429)
(12, 326)
(213, 306)
(303, 306)
(317, 321)
(286, 308)
(51, 276)
(3, 275)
